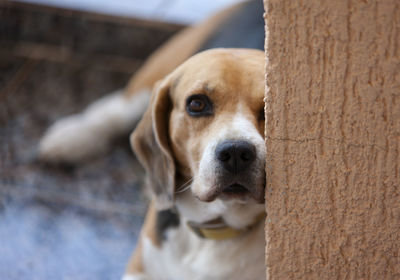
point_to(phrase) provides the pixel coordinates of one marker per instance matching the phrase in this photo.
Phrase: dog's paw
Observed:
(81, 136)
(140, 276)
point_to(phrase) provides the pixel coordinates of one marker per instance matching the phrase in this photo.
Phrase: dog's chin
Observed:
(235, 192)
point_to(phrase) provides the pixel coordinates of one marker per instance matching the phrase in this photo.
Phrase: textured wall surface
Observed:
(333, 139)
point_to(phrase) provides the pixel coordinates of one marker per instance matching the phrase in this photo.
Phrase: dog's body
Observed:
(201, 142)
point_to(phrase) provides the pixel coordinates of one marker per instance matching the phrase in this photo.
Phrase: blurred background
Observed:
(56, 56)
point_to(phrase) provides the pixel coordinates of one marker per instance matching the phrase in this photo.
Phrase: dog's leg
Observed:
(135, 268)
(79, 136)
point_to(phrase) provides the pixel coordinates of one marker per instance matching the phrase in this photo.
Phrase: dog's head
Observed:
(202, 137)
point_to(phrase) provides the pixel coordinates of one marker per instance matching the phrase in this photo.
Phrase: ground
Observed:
(67, 221)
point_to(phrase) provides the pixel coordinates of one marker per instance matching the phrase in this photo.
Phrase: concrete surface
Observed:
(333, 139)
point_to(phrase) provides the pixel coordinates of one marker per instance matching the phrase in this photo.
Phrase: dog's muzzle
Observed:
(237, 161)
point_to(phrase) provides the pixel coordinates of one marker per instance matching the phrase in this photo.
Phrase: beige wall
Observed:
(333, 139)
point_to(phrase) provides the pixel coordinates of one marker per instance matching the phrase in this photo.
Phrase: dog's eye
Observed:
(199, 105)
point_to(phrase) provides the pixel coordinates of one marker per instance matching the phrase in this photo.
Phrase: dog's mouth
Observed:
(235, 191)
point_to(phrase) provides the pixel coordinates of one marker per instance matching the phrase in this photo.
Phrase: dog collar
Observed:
(217, 229)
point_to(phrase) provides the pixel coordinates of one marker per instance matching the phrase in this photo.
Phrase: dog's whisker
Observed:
(185, 186)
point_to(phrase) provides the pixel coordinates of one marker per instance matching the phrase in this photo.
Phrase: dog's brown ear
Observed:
(150, 142)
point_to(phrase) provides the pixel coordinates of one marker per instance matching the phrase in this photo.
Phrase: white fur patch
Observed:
(185, 256)
(79, 136)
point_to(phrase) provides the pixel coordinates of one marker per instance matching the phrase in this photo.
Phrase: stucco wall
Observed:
(333, 139)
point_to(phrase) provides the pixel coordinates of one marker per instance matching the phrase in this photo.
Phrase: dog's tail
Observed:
(83, 135)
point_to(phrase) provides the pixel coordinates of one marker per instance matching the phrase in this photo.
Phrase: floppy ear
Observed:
(150, 142)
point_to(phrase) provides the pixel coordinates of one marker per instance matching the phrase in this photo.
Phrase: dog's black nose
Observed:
(235, 155)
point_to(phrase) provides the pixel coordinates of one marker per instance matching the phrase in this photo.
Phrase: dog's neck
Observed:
(217, 229)
(218, 220)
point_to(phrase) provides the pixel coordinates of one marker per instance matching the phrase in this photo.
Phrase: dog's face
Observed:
(204, 131)
(216, 125)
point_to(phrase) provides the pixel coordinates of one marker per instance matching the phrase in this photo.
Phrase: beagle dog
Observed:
(201, 142)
